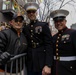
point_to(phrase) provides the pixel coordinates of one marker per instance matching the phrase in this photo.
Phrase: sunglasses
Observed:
(16, 20)
(59, 20)
(31, 11)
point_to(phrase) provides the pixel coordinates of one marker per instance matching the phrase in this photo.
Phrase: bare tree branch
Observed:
(66, 3)
(61, 4)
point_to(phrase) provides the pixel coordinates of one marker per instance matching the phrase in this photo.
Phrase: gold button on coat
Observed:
(31, 25)
(31, 30)
(57, 49)
(56, 45)
(58, 37)
(57, 58)
(56, 53)
(57, 41)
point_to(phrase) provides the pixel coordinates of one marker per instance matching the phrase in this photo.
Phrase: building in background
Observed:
(9, 7)
(73, 26)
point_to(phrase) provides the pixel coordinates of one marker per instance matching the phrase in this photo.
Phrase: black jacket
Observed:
(65, 46)
(40, 50)
(12, 43)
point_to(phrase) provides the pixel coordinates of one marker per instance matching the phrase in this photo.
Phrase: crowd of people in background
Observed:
(4, 25)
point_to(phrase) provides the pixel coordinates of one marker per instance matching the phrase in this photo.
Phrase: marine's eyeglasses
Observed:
(31, 11)
(61, 20)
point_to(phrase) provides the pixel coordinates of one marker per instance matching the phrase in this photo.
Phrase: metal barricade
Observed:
(22, 64)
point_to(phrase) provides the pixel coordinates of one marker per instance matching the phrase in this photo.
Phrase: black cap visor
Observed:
(60, 18)
(21, 17)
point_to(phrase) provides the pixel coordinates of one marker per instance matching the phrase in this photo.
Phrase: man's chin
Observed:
(17, 28)
(32, 19)
(59, 29)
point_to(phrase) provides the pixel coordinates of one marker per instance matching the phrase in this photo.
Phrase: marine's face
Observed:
(32, 14)
(60, 24)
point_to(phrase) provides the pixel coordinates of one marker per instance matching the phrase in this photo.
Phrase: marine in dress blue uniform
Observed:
(64, 45)
(40, 48)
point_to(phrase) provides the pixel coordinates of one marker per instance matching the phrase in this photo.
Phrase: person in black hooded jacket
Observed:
(12, 42)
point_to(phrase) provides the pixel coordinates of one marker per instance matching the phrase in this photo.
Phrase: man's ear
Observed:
(11, 22)
(65, 20)
(36, 13)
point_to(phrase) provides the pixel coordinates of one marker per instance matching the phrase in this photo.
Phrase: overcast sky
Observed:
(71, 18)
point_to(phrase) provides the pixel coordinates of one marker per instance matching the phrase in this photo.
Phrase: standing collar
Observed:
(31, 22)
(62, 30)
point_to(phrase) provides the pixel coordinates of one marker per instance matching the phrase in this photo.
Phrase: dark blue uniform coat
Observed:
(40, 50)
(64, 46)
